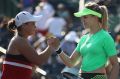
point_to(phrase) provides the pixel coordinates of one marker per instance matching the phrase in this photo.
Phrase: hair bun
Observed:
(11, 25)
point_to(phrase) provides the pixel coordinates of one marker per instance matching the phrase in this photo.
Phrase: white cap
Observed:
(24, 17)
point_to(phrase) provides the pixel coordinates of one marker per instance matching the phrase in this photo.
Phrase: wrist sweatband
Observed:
(59, 51)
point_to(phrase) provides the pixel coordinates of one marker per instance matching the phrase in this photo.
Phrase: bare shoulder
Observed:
(15, 44)
(21, 43)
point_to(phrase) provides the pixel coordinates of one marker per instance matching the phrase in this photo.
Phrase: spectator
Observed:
(46, 9)
(56, 25)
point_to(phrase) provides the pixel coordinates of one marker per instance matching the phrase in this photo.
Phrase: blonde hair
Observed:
(102, 9)
(105, 17)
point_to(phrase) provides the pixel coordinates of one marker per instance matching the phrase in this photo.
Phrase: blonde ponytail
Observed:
(102, 9)
(104, 17)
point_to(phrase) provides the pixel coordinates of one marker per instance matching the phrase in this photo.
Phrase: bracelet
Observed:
(59, 51)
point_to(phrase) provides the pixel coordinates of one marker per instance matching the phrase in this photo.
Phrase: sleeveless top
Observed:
(16, 67)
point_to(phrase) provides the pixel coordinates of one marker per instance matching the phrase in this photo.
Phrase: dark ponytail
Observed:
(11, 25)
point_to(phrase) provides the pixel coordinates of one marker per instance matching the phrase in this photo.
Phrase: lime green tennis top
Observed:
(95, 50)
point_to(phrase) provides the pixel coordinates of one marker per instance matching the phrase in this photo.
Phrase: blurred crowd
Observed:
(60, 22)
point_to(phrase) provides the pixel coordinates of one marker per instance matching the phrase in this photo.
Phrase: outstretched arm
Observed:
(29, 52)
(71, 61)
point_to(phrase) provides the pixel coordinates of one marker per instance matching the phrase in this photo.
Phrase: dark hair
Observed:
(11, 25)
(102, 9)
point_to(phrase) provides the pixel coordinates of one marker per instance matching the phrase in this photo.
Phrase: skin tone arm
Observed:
(115, 68)
(72, 60)
(29, 52)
